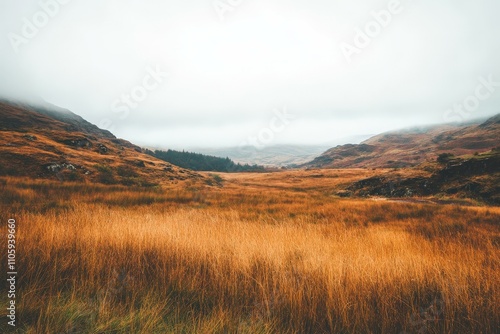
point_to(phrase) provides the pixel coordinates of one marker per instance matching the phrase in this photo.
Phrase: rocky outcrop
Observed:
(477, 178)
(79, 142)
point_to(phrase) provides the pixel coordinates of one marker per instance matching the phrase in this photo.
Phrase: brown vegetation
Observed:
(270, 253)
(50, 143)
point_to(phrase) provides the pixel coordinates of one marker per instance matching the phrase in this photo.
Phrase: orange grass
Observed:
(95, 259)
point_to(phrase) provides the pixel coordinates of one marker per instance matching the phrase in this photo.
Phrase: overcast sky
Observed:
(215, 73)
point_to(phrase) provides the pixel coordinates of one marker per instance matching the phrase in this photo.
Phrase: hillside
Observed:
(411, 147)
(474, 177)
(52, 143)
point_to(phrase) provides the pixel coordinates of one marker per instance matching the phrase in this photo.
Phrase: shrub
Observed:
(444, 158)
(126, 171)
(105, 174)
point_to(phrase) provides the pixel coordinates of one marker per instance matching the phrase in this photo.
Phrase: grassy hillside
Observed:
(412, 147)
(57, 144)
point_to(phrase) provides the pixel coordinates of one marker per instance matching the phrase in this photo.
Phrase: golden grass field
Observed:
(265, 253)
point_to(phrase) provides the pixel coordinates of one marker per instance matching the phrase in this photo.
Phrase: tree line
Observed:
(201, 162)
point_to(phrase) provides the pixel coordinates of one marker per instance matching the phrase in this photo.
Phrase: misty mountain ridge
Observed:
(279, 155)
(402, 148)
(49, 142)
(412, 146)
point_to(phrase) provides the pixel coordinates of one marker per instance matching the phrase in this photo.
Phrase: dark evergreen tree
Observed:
(201, 162)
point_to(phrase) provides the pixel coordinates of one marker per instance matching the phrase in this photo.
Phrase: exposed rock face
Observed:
(102, 148)
(81, 142)
(30, 137)
(55, 167)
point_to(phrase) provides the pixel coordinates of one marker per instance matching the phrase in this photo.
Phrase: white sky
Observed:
(225, 77)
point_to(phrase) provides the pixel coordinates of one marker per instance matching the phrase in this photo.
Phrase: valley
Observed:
(111, 239)
(250, 167)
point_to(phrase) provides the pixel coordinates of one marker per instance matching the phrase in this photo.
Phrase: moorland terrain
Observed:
(112, 240)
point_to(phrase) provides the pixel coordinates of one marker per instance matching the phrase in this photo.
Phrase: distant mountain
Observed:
(411, 147)
(271, 156)
(201, 162)
(50, 142)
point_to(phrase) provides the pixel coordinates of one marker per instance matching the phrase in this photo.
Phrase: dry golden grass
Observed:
(253, 257)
